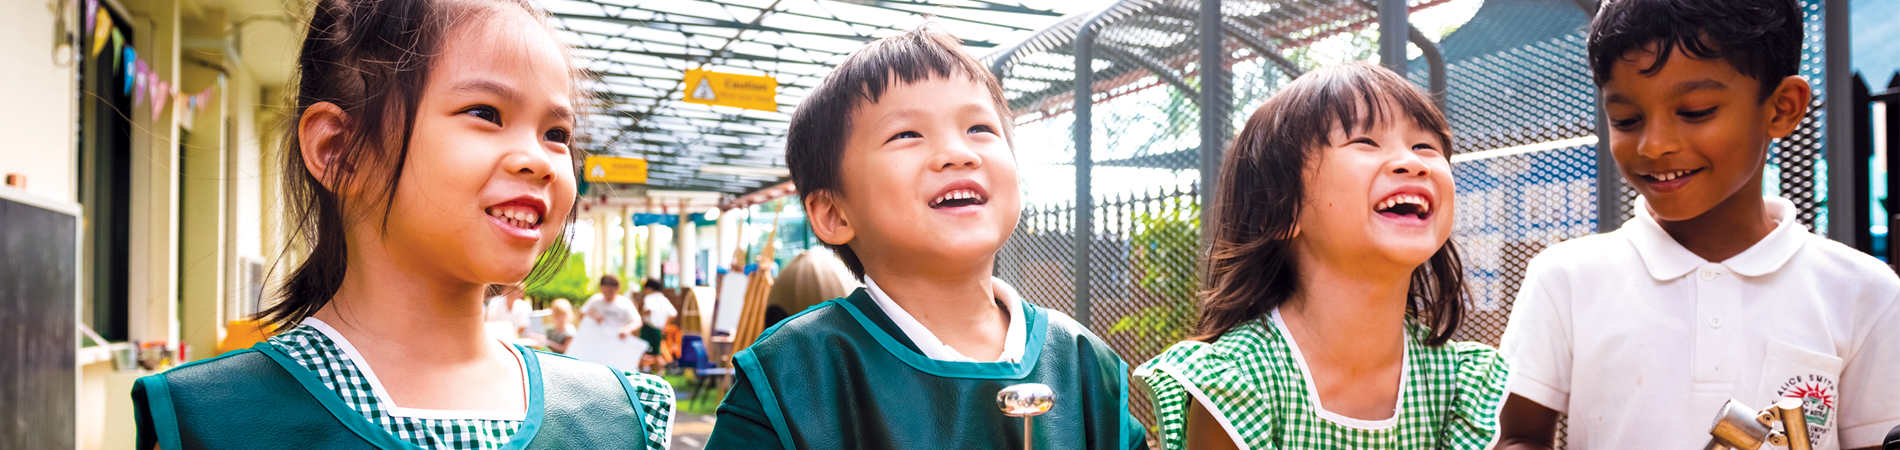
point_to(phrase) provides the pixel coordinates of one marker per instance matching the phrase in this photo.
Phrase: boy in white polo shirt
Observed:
(1712, 291)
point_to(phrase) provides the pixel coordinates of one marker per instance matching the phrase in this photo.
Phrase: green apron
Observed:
(830, 378)
(260, 398)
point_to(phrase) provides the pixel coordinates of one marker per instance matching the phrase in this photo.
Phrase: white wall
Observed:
(39, 138)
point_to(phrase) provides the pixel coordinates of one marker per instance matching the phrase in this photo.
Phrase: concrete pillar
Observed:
(728, 238)
(686, 232)
(626, 245)
(597, 256)
(152, 291)
(654, 251)
(204, 243)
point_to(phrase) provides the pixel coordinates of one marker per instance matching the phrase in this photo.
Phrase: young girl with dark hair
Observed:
(428, 160)
(1332, 287)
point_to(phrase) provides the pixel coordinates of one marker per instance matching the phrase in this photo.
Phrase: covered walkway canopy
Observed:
(640, 51)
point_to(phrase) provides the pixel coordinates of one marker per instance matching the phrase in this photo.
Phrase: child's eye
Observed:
(982, 129)
(1692, 115)
(905, 135)
(1363, 140)
(1625, 124)
(556, 135)
(485, 112)
(1427, 147)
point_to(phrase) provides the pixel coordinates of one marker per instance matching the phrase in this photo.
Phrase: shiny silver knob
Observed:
(1025, 400)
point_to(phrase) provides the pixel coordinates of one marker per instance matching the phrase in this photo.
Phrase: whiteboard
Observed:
(602, 345)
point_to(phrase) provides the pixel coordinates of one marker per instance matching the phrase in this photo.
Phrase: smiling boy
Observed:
(1712, 292)
(903, 159)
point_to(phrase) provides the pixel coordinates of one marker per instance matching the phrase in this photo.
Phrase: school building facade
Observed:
(152, 122)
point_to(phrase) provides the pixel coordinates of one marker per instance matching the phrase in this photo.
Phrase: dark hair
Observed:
(653, 285)
(370, 58)
(609, 280)
(814, 145)
(1760, 38)
(1250, 269)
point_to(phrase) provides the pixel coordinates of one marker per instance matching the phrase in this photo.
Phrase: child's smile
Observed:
(961, 197)
(1668, 180)
(519, 217)
(1408, 206)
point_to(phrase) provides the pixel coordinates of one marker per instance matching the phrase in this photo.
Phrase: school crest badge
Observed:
(1818, 400)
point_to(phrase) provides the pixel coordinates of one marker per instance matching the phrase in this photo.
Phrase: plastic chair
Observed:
(690, 359)
(705, 371)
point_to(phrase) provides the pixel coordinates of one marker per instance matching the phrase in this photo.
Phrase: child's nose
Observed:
(1658, 141)
(954, 153)
(530, 162)
(1410, 163)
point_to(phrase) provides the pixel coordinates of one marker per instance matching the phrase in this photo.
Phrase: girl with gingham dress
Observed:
(1332, 288)
(428, 164)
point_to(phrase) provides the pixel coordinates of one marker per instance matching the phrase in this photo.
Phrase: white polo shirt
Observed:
(1641, 341)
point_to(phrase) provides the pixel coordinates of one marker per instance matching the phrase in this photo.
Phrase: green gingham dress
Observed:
(320, 354)
(1253, 381)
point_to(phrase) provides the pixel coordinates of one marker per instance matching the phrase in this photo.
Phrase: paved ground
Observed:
(690, 430)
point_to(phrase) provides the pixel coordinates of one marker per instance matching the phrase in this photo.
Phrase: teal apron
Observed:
(831, 378)
(260, 398)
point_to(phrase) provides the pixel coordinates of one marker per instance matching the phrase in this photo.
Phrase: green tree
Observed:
(1164, 249)
(571, 283)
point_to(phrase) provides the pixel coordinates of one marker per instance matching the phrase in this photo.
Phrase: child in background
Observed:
(560, 326)
(655, 311)
(1332, 288)
(903, 160)
(428, 160)
(1712, 292)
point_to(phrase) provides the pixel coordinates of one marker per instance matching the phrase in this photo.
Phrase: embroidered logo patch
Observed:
(1817, 396)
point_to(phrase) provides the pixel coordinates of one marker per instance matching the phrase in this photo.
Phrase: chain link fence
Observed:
(1520, 100)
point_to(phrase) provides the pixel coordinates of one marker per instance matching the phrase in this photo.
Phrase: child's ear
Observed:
(827, 219)
(1789, 104)
(320, 133)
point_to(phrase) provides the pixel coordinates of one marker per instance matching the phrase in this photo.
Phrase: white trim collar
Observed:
(382, 395)
(1667, 259)
(1312, 388)
(1013, 340)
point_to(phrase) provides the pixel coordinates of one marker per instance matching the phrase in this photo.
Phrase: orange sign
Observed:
(724, 89)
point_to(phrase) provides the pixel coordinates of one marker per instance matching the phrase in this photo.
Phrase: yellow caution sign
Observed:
(724, 89)
(609, 169)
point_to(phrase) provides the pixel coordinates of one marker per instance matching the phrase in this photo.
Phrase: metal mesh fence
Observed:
(1520, 100)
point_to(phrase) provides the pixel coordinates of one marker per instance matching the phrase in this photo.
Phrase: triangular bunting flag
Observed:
(138, 87)
(92, 9)
(159, 97)
(118, 44)
(130, 74)
(99, 34)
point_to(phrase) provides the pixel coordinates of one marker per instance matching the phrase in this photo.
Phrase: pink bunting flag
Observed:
(138, 82)
(160, 97)
(92, 9)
